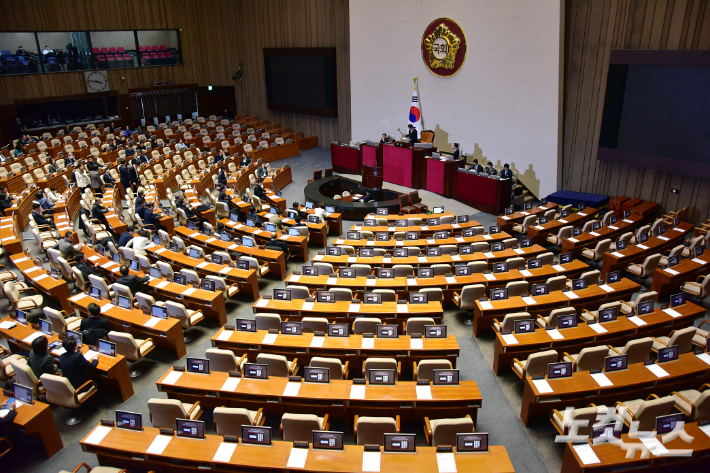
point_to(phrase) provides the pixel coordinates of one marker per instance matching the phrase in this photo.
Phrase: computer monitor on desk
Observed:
(188, 428)
(254, 435)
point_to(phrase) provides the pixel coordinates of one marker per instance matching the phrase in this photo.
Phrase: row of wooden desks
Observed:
(11, 234)
(393, 217)
(128, 449)
(575, 245)
(36, 420)
(354, 348)
(111, 370)
(38, 277)
(346, 312)
(423, 229)
(539, 232)
(610, 457)
(298, 245)
(317, 232)
(506, 222)
(448, 284)
(422, 260)
(335, 220)
(616, 333)
(589, 298)
(246, 280)
(275, 259)
(636, 382)
(667, 281)
(337, 398)
(390, 245)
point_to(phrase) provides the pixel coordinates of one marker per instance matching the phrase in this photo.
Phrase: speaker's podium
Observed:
(405, 165)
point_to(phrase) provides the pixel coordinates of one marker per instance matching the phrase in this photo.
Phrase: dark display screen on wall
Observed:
(301, 80)
(657, 111)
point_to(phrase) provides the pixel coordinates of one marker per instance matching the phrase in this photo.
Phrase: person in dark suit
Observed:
(140, 201)
(125, 237)
(476, 167)
(219, 158)
(38, 217)
(252, 215)
(127, 132)
(134, 176)
(141, 210)
(259, 191)
(5, 200)
(74, 365)
(261, 171)
(457, 153)
(143, 158)
(506, 173)
(152, 218)
(490, 170)
(96, 327)
(20, 52)
(113, 128)
(369, 196)
(130, 152)
(124, 174)
(384, 138)
(222, 176)
(412, 135)
(108, 180)
(189, 213)
(132, 282)
(98, 211)
(276, 244)
(245, 161)
(84, 268)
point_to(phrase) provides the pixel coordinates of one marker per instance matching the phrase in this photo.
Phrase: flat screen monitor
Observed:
(129, 420)
(677, 300)
(248, 242)
(369, 222)
(382, 212)
(255, 371)
(435, 331)
(662, 229)
(579, 284)
(565, 258)
(332, 251)
(526, 242)
(198, 365)
(499, 294)
(382, 236)
(309, 205)
(54, 272)
(441, 235)
(509, 210)
(338, 330)
(316, 375)
(566, 321)
(433, 251)
(493, 229)
(667, 423)
(500, 267)
(645, 307)
(463, 270)
(330, 209)
(294, 232)
(411, 236)
(382, 377)
(699, 250)
(272, 210)
(613, 220)
(347, 273)
(326, 440)
(387, 331)
(621, 245)
(250, 222)
(462, 219)
(22, 393)
(400, 253)
(468, 232)
(352, 236)
(372, 298)
(282, 294)
(615, 363)
(135, 266)
(542, 220)
(401, 223)
(193, 429)
(607, 315)
(576, 231)
(207, 231)
(559, 370)
(613, 276)
(95, 292)
(438, 210)
(254, 435)
(673, 261)
(604, 433)
(154, 272)
(216, 259)
(524, 326)
(101, 250)
(385, 273)
(243, 264)
(465, 250)
(156, 239)
(564, 213)
(291, 328)
(497, 246)
(668, 354)
(528, 205)
(195, 253)
(325, 296)
(596, 225)
(400, 443)
(434, 222)
(246, 325)
(159, 311)
(270, 227)
(309, 270)
(425, 273)
(418, 298)
(190, 225)
(367, 252)
(534, 263)
(124, 302)
(466, 443)
(107, 348)
(76, 335)
(45, 326)
(234, 217)
(446, 377)
(643, 238)
(314, 219)
(180, 279)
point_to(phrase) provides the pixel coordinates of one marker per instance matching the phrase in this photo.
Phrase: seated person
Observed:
(84, 268)
(39, 359)
(131, 281)
(74, 365)
(245, 161)
(252, 215)
(152, 218)
(94, 325)
(276, 244)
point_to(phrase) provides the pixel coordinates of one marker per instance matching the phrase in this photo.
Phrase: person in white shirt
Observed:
(47, 51)
(181, 146)
(82, 180)
(140, 243)
(53, 195)
(320, 211)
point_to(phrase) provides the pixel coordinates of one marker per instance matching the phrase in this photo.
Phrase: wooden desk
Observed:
(274, 153)
(405, 166)
(636, 382)
(275, 259)
(11, 234)
(39, 278)
(344, 348)
(246, 280)
(317, 232)
(114, 218)
(634, 254)
(666, 283)
(210, 303)
(393, 217)
(113, 370)
(454, 228)
(298, 245)
(390, 245)
(589, 298)
(613, 458)
(506, 222)
(341, 311)
(166, 333)
(333, 398)
(658, 323)
(483, 193)
(335, 221)
(126, 449)
(539, 232)
(425, 261)
(575, 245)
(362, 284)
(345, 159)
(37, 420)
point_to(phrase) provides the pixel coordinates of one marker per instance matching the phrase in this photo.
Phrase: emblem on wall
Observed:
(444, 47)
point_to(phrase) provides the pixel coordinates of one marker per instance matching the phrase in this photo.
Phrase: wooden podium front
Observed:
(405, 166)
(372, 177)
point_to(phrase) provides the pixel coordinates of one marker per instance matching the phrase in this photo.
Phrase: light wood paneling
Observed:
(216, 37)
(593, 28)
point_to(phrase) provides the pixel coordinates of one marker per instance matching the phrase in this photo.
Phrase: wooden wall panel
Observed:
(216, 36)
(593, 29)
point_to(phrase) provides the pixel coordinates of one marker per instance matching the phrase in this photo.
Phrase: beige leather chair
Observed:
(517, 262)
(695, 404)
(6, 369)
(372, 430)
(551, 319)
(468, 297)
(509, 321)
(278, 365)
(700, 288)
(527, 222)
(701, 336)
(591, 276)
(425, 368)
(265, 321)
(300, 427)
(187, 317)
(18, 301)
(402, 270)
(59, 323)
(146, 302)
(678, 250)
(338, 370)
(645, 269)
(693, 243)
(637, 351)
(225, 360)
(644, 411)
(381, 364)
(100, 283)
(563, 421)
(220, 284)
(547, 258)
(683, 338)
(626, 237)
(597, 254)
(342, 293)
(388, 295)
(366, 325)
(229, 420)
(556, 283)
(314, 324)
(592, 315)
(630, 306)
(444, 431)
(254, 264)
(588, 359)
(434, 293)
(25, 376)
(417, 325)
(536, 364)
(96, 469)
(517, 288)
(131, 348)
(163, 412)
(59, 391)
(477, 267)
(324, 268)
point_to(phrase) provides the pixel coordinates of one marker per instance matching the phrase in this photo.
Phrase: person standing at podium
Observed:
(412, 135)
(456, 151)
